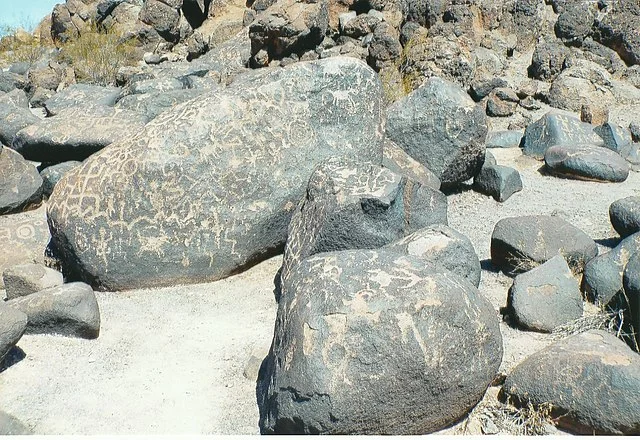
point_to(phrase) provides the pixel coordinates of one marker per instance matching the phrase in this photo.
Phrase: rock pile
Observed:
(337, 133)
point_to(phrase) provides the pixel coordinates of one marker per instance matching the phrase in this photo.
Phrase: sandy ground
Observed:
(174, 360)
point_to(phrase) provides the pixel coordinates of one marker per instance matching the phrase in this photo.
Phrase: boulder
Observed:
(76, 133)
(13, 324)
(25, 279)
(397, 160)
(385, 46)
(81, 95)
(480, 89)
(69, 310)
(14, 117)
(615, 137)
(287, 27)
(51, 175)
(163, 17)
(371, 342)
(503, 139)
(25, 237)
(205, 190)
(153, 103)
(602, 280)
(548, 60)
(575, 23)
(546, 296)
(586, 162)
(590, 379)
(520, 243)
(631, 285)
(9, 425)
(442, 246)
(618, 29)
(625, 215)
(572, 88)
(358, 206)
(20, 183)
(10, 81)
(498, 181)
(441, 127)
(557, 129)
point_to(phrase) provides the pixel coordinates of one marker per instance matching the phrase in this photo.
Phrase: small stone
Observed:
(594, 115)
(586, 162)
(69, 310)
(25, 279)
(520, 243)
(13, 324)
(504, 139)
(546, 297)
(625, 215)
(497, 181)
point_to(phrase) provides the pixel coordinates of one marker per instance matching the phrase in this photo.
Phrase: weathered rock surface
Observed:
(442, 246)
(81, 95)
(9, 425)
(248, 180)
(548, 60)
(625, 215)
(631, 285)
(14, 117)
(441, 127)
(587, 162)
(25, 237)
(13, 323)
(521, 243)
(76, 133)
(498, 181)
(398, 346)
(69, 310)
(397, 160)
(557, 129)
(153, 103)
(358, 206)
(503, 139)
(602, 280)
(51, 175)
(546, 297)
(25, 279)
(591, 380)
(20, 183)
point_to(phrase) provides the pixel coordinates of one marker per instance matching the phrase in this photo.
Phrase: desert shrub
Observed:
(20, 46)
(96, 55)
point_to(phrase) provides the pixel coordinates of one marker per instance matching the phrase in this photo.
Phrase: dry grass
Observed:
(20, 46)
(503, 418)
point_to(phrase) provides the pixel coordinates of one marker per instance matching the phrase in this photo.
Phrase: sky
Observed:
(21, 13)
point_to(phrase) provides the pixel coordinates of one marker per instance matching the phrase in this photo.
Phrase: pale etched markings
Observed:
(363, 334)
(209, 185)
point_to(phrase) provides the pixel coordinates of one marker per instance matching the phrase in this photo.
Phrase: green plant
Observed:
(20, 46)
(96, 55)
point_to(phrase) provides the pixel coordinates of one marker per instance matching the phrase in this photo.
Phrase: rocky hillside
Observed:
(449, 188)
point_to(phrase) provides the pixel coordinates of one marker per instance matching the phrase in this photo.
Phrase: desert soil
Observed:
(174, 360)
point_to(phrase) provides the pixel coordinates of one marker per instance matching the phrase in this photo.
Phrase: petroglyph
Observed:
(212, 182)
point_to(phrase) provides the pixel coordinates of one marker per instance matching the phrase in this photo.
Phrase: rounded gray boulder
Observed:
(625, 215)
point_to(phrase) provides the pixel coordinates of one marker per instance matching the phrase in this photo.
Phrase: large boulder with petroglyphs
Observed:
(374, 342)
(209, 186)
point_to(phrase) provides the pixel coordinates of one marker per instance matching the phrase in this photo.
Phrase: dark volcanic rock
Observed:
(20, 183)
(631, 285)
(24, 237)
(586, 162)
(442, 128)
(498, 181)
(13, 323)
(81, 95)
(575, 23)
(153, 103)
(442, 246)
(625, 215)
(14, 116)
(557, 129)
(548, 60)
(76, 133)
(591, 380)
(397, 160)
(51, 175)
(204, 190)
(546, 296)
(352, 206)
(602, 280)
(25, 279)
(70, 310)
(618, 29)
(371, 342)
(521, 243)
(503, 139)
